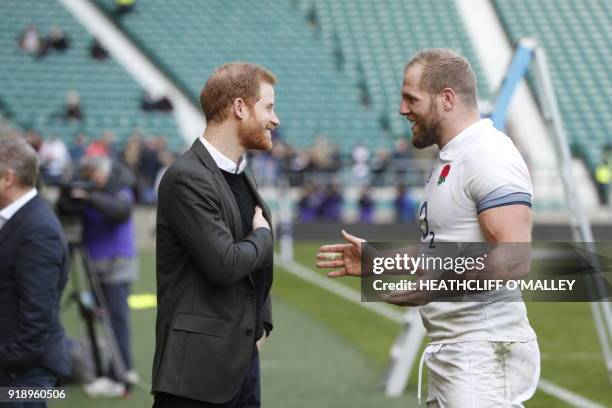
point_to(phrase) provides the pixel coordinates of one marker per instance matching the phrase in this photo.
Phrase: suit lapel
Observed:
(226, 191)
(16, 220)
(227, 195)
(267, 216)
(260, 201)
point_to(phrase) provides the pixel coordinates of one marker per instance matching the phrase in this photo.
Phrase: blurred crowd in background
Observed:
(319, 172)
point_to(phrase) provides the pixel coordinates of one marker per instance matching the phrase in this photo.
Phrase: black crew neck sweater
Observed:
(246, 204)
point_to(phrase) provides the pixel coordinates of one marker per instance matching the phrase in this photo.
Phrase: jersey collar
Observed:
(453, 147)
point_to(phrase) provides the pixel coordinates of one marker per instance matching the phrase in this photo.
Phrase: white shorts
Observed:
(481, 374)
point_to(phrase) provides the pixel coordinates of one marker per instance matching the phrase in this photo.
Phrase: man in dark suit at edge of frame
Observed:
(33, 274)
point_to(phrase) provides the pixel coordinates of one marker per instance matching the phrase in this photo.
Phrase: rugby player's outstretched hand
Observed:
(408, 297)
(345, 259)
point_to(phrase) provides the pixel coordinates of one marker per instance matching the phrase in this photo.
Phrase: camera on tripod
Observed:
(78, 183)
(70, 207)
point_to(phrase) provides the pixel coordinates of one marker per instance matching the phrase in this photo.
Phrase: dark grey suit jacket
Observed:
(206, 309)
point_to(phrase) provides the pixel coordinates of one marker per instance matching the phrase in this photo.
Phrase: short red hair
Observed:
(229, 82)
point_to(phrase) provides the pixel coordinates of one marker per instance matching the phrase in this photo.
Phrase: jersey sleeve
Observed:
(496, 176)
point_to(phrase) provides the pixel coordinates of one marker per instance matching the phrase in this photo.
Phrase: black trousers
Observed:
(249, 394)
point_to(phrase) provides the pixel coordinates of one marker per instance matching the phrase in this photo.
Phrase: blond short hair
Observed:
(446, 68)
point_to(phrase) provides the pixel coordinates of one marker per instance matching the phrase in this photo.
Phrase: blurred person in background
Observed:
(33, 138)
(321, 153)
(297, 164)
(166, 159)
(33, 274)
(73, 110)
(97, 51)
(361, 168)
(109, 138)
(54, 160)
(57, 40)
(104, 201)
(148, 102)
(366, 206)
(103, 146)
(309, 203)
(97, 147)
(151, 103)
(130, 157)
(404, 204)
(274, 163)
(31, 42)
(123, 7)
(312, 17)
(400, 158)
(148, 167)
(603, 177)
(379, 165)
(331, 207)
(78, 148)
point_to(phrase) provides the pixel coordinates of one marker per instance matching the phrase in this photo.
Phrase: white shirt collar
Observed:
(7, 212)
(222, 161)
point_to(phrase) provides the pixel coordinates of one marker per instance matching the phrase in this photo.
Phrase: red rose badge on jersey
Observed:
(444, 174)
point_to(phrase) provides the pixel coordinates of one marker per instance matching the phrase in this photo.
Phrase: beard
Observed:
(252, 135)
(428, 132)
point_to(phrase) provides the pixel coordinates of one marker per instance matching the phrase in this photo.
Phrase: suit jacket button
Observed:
(249, 332)
(249, 297)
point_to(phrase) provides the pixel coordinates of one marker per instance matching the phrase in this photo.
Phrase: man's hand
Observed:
(261, 341)
(345, 258)
(258, 219)
(408, 297)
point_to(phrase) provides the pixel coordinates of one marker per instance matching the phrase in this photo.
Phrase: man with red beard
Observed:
(483, 352)
(214, 251)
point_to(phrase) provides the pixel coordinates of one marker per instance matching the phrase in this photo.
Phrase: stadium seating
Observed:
(378, 38)
(192, 37)
(576, 36)
(188, 38)
(34, 90)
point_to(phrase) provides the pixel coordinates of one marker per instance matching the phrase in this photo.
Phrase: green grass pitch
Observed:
(328, 352)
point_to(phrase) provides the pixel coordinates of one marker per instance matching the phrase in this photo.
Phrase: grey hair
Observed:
(446, 68)
(17, 155)
(97, 163)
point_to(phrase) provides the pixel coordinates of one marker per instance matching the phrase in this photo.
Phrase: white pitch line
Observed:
(339, 289)
(354, 296)
(567, 396)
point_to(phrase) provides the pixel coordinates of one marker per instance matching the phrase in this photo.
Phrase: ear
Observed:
(448, 98)
(10, 178)
(240, 108)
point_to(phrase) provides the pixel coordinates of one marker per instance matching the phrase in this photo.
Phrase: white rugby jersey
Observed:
(478, 169)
